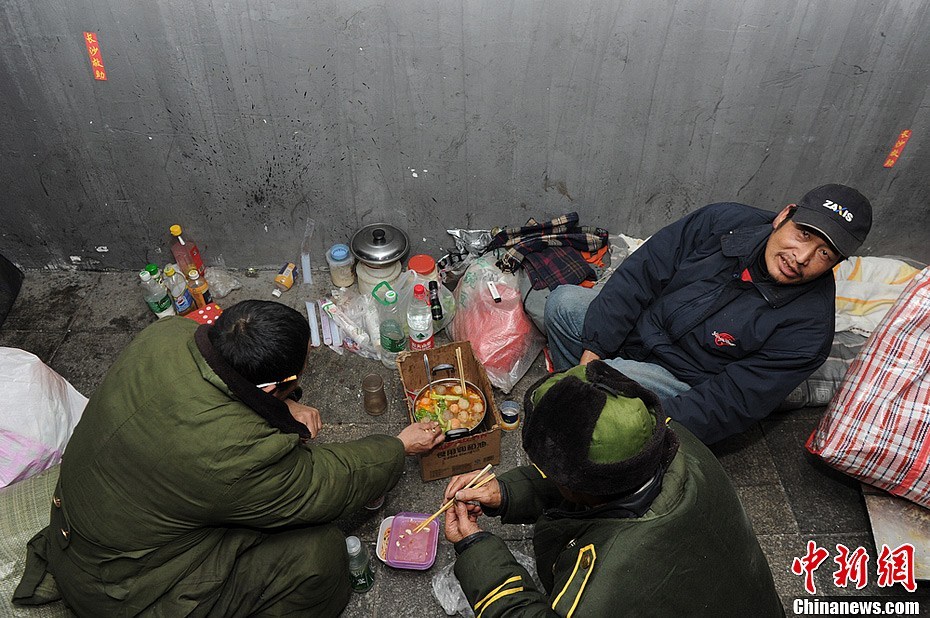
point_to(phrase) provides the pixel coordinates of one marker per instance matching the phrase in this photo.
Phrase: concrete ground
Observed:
(77, 322)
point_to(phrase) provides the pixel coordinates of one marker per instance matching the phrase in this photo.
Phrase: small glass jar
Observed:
(510, 414)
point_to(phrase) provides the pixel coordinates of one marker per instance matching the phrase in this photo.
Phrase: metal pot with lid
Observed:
(379, 244)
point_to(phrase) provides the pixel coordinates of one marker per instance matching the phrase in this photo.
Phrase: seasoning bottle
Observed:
(361, 577)
(284, 280)
(199, 288)
(434, 304)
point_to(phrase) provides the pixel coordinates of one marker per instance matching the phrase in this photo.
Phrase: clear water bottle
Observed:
(156, 295)
(177, 285)
(419, 321)
(361, 576)
(155, 271)
(391, 330)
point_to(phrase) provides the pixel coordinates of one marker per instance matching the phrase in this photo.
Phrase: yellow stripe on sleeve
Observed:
(498, 596)
(488, 599)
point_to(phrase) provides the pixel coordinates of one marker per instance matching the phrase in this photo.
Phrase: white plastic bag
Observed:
(357, 317)
(404, 288)
(40, 410)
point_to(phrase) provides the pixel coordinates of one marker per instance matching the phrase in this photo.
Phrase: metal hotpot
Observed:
(462, 432)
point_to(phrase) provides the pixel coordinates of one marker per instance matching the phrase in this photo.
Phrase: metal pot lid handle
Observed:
(442, 367)
(455, 434)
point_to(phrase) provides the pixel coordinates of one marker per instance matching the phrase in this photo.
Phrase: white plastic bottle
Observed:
(177, 285)
(391, 330)
(361, 577)
(156, 295)
(419, 321)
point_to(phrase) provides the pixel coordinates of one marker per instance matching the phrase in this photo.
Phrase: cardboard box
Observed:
(465, 454)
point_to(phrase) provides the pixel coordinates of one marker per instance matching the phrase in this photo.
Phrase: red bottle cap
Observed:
(422, 264)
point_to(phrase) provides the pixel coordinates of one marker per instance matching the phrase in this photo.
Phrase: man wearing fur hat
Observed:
(633, 516)
(722, 313)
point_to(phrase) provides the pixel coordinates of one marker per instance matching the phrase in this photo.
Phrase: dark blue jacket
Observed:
(679, 302)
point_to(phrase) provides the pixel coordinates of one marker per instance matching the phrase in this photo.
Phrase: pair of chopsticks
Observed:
(472, 484)
(458, 358)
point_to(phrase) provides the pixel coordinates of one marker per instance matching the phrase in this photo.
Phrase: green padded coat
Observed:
(692, 554)
(176, 499)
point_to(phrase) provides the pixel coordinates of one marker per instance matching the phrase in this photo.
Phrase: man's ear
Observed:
(783, 215)
(270, 388)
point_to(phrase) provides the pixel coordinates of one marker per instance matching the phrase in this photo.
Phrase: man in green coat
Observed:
(633, 517)
(187, 488)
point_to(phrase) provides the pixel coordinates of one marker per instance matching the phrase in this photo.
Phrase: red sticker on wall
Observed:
(898, 147)
(96, 60)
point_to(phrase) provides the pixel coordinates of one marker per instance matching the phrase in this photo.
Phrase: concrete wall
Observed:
(241, 119)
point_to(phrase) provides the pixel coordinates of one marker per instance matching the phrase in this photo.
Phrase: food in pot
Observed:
(451, 407)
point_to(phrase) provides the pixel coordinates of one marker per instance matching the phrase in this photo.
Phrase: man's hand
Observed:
(306, 415)
(488, 495)
(460, 523)
(421, 437)
(587, 356)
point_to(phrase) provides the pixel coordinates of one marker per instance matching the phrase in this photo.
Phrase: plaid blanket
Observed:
(549, 252)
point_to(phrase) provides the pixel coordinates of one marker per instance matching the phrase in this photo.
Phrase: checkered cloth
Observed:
(876, 427)
(550, 252)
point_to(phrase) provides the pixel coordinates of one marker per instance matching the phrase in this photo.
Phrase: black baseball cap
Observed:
(839, 213)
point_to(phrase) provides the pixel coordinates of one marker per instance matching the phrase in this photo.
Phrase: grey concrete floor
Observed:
(77, 322)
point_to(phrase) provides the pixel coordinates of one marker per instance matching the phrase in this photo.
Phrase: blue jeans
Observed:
(565, 311)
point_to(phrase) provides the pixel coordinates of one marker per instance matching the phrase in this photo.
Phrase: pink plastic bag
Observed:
(502, 336)
(876, 427)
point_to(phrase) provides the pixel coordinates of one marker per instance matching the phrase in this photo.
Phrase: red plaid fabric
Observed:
(876, 426)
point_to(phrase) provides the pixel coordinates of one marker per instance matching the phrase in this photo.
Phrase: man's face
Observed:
(795, 254)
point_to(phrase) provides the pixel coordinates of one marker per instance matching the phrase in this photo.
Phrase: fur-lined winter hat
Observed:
(594, 430)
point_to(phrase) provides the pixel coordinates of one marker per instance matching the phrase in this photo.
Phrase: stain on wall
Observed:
(240, 119)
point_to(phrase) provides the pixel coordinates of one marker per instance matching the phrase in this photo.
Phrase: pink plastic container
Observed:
(406, 550)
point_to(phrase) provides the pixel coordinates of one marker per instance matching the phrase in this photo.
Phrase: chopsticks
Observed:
(472, 484)
(458, 358)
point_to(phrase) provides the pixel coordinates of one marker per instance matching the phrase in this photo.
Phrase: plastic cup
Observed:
(373, 397)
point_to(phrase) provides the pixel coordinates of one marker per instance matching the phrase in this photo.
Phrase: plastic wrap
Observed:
(448, 591)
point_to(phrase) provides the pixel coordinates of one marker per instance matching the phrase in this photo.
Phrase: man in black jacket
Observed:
(721, 313)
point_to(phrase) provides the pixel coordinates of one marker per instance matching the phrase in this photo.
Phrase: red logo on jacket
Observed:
(722, 339)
